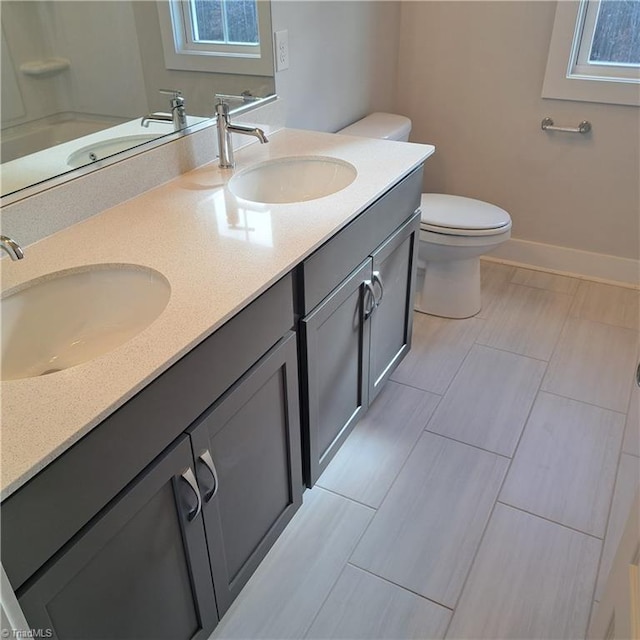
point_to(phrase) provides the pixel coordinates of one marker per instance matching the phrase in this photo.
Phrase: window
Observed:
(224, 36)
(230, 22)
(595, 52)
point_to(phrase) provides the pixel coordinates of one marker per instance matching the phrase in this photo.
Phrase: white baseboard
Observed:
(566, 261)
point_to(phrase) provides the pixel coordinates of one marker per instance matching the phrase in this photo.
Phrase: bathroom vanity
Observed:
(357, 310)
(197, 474)
(142, 488)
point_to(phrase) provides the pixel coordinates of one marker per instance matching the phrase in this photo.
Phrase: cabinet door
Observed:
(138, 571)
(247, 450)
(394, 272)
(335, 343)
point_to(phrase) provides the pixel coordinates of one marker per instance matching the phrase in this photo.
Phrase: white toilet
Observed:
(454, 233)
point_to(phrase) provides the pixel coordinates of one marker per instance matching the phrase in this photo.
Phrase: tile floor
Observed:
(484, 493)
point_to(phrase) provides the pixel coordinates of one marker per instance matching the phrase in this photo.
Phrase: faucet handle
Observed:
(221, 107)
(244, 97)
(177, 100)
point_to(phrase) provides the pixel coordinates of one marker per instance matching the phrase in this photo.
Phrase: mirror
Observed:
(78, 76)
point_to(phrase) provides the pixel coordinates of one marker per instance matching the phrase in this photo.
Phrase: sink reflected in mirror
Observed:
(292, 179)
(66, 318)
(105, 148)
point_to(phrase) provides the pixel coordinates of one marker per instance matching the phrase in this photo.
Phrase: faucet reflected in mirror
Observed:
(177, 115)
(10, 246)
(115, 58)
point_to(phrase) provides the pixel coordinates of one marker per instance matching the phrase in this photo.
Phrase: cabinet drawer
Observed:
(325, 269)
(44, 514)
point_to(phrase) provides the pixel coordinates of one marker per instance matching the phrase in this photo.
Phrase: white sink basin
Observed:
(70, 317)
(105, 148)
(294, 179)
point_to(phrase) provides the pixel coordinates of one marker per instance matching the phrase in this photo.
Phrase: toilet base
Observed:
(451, 288)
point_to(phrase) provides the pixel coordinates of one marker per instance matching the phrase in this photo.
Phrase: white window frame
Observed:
(567, 79)
(181, 53)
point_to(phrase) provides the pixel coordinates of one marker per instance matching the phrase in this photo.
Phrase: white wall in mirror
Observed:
(40, 31)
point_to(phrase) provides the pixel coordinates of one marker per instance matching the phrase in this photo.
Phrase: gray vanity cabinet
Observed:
(359, 327)
(149, 526)
(354, 340)
(168, 555)
(247, 451)
(140, 571)
(335, 340)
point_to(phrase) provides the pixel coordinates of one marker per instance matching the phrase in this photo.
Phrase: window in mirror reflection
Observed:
(224, 21)
(234, 33)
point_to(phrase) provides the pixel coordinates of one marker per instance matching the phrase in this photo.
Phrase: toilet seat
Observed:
(460, 216)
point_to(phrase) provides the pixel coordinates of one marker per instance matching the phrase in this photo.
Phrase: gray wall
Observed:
(470, 77)
(343, 59)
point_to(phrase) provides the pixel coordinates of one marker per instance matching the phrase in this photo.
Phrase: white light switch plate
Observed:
(281, 41)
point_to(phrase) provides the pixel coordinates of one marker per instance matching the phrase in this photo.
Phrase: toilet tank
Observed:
(385, 126)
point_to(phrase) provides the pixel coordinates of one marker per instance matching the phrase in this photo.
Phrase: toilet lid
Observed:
(457, 215)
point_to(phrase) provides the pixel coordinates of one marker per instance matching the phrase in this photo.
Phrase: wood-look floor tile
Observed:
(593, 362)
(371, 457)
(544, 280)
(626, 486)
(631, 442)
(426, 532)
(439, 346)
(489, 400)
(286, 592)
(565, 466)
(527, 321)
(494, 279)
(532, 579)
(607, 303)
(362, 606)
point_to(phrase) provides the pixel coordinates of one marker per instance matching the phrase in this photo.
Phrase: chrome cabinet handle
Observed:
(190, 479)
(638, 375)
(377, 279)
(207, 461)
(368, 310)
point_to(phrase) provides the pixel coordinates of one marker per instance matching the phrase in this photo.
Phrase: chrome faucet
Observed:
(11, 247)
(225, 129)
(178, 113)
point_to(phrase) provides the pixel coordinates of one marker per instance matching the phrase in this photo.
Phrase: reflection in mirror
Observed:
(84, 79)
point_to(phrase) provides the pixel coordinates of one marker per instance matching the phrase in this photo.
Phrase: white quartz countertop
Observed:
(217, 253)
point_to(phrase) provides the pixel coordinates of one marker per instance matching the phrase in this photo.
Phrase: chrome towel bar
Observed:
(583, 127)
